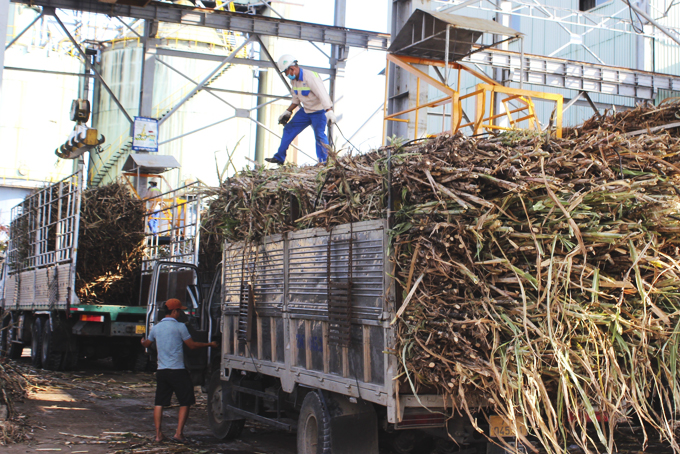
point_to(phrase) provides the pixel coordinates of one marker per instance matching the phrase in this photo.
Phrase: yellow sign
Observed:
(140, 329)
(498, 428)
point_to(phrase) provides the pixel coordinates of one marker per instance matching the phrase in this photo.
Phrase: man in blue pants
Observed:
(306, 89)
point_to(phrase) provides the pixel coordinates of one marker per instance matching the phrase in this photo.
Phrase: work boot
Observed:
(273, 161)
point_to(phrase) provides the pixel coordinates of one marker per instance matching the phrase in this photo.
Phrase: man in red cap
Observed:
(171, 376)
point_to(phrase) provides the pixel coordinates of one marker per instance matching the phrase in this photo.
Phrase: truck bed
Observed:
(39, 289)
(277, 320)
(42, 247)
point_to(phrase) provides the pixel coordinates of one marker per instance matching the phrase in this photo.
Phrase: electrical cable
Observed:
(632, 21)
(346, 139)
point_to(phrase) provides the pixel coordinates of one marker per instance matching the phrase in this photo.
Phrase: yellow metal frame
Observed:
(169, 210)
(488, 90)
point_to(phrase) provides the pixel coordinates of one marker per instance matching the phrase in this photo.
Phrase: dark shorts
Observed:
(176, 381)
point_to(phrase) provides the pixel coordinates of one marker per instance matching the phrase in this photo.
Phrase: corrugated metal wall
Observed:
(666, 51)
(34, 119)
(569, 41)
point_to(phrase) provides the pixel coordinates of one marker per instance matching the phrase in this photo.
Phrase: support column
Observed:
(148, 69)
(500, 75)
(4, 19)
(338, 62)
(147, 84)
(262, 84)
(401, 88)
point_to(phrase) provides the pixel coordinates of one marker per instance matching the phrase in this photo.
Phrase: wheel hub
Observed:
(217, 405)
(311, 434)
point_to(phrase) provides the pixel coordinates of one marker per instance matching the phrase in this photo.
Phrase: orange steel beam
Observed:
(417, 107)
(403, 63)
(520, 92)
(490, 85)
(493, 117)
(456, 113)
(469, 95)
(438, 102)
(452, 65)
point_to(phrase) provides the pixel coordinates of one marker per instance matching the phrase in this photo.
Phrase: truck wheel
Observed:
(51, 357)
(36, 342)
(71, 355)
(4, 337)
(141, 362)
(10, 349)
(222, 429)
(122, 360)
(314, 429)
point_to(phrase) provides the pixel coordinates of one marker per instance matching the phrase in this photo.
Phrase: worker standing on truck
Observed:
(308, 90)
(171, 376)
(153, 205)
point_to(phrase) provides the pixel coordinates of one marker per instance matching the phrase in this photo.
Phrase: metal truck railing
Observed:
(41, 254)
(172, 227)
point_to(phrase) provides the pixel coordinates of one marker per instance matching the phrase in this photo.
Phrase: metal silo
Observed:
(29, 135)
(121, 66)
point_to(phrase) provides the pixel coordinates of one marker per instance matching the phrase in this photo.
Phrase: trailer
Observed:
(40, 308)
(308, 343)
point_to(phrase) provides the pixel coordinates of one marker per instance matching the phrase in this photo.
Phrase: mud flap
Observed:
(354, 426)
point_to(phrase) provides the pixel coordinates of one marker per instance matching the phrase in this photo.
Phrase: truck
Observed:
(308, 344)
(39, 307)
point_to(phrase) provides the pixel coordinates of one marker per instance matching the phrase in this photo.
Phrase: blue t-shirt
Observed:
(170, 335)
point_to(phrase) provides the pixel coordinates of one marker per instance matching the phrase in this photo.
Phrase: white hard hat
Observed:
(285, 62)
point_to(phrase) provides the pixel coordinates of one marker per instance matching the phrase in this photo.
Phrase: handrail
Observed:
(485, 94)
(99, 165)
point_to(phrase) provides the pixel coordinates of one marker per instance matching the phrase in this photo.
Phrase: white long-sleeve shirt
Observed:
(309, 91)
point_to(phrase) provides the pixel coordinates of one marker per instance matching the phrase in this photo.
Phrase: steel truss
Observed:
(532, 9)
(225, 20)
(576, 75)
(577, 24)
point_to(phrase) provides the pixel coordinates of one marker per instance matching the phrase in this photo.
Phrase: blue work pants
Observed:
(297, 124)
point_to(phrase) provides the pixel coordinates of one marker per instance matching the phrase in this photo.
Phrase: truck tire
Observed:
(10, 349)
(71, 355)
(4, 336)
(141, 362)
(314, 429)
(132, 358)
(122, 359)
(51, 357)
(36, 342)
(222, 429)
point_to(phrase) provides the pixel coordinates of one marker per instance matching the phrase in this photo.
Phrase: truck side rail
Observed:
(172, 227)
(42, 248)
(282, 318)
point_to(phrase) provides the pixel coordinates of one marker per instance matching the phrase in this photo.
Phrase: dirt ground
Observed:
(98, 410)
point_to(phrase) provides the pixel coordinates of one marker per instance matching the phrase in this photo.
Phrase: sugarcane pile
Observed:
(110, 245)
(258, 202)
(12, 387)
(540, 276)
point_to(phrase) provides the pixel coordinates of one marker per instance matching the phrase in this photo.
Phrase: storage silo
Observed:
(36, 101)
(120, 62)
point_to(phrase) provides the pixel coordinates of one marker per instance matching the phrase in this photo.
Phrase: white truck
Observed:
(307, 344)
(39, 307)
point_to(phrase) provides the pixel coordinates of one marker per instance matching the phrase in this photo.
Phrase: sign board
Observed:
(145, 134)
